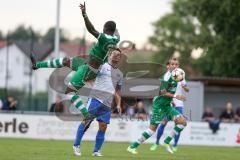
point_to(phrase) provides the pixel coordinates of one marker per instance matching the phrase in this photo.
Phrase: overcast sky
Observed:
(133, 17)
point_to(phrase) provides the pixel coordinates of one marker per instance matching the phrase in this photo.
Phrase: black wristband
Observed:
(85, 15)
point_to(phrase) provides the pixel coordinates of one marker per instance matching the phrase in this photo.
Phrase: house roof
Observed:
(218, 81)
(41, 50)
(75, 49)
(3, 44)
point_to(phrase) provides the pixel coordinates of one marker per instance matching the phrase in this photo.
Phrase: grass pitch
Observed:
(25, 149)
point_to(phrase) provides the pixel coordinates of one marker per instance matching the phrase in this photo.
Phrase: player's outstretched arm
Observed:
(170, 95)
(116, 33)
(185, 86)
(88, 24)
(186, 89)
(118, 100)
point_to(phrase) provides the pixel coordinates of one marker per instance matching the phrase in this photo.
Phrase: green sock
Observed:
(145, 135)
(85, 112)
(78, 103)
(53, 63)
(134, 145)
(176, 130)
(42, 64)
(168, 139)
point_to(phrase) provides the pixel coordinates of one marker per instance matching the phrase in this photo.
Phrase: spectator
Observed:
(238, 137)
(9, 104)
(115, 112)
(141, 112)
(237, 115)
(57, 106)
(131, 110)
(1, 104)
(228, 114)
(208, 115)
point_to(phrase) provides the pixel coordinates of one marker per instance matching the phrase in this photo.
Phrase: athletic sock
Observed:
(99, 140)
(53, 63)
(160, 133)
(176, 138)
(176, 130)
(145, 135)
(79, 135)
(78, 103)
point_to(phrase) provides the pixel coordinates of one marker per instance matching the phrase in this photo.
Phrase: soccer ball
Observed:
(178, 74)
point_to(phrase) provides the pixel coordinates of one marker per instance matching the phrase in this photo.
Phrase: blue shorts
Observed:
(99, 110)
(179, 109)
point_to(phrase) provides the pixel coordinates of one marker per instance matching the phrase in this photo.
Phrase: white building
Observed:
(19, 66)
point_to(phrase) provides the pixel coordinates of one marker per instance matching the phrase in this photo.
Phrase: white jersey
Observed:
(167, 76)
(179, 91)
(105, 84)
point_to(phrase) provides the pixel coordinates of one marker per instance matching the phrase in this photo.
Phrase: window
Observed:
(17, 60)
(26, 66)
(2, 67)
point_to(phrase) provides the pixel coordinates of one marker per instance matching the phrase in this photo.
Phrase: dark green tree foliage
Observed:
(223, 54)
(1, 35)
(20, 33)
(50, 36)
(23, 33)
(211, 25)
(173, 35)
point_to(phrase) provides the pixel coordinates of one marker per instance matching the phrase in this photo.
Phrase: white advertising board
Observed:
(50, 127)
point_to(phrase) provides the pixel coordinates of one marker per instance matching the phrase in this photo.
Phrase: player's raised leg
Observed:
(145, 135)
(180, 123)
(52, 63)
(83, 74)
(160, 131)
(78, 103)
(156, 118)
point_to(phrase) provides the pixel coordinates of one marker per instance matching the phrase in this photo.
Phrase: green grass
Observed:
(24, 149)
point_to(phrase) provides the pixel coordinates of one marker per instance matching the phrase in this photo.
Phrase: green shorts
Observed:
(160, 112)
(77, 62)
(83, 74)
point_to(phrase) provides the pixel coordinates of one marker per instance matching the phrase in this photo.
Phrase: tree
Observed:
(50, 36)
(178, 34)
(1, 35)
(23, 33)
(223, 54)
(173, 35)
(211, 25)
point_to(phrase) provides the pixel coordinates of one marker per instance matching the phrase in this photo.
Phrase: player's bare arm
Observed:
(116, 33)
(185, 88)
(88, 24)
(118, 99)
(170, 95)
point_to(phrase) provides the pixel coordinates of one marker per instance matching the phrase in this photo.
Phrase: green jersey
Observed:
(168, 85)
(100, 49)
(162, 107)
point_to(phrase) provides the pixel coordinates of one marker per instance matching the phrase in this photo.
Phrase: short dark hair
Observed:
(114, 49)
(110, 26)
(172, 59)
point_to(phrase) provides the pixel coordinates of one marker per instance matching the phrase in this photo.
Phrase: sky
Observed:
(133, 17)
